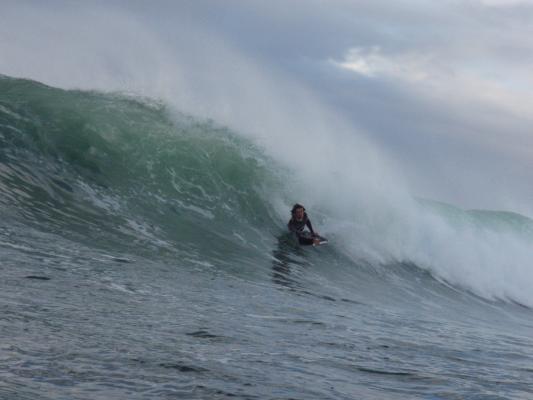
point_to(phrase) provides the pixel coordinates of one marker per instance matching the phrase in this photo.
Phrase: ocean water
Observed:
(143, 255)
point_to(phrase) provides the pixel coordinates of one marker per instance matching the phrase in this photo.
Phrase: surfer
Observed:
(297, 224)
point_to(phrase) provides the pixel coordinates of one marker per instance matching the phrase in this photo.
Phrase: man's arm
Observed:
(308, 223)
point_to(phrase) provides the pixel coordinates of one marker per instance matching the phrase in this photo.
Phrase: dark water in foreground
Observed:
(132, 268)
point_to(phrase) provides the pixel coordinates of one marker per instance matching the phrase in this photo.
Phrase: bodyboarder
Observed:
(297, 224)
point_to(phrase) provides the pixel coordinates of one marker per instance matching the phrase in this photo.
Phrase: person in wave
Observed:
(297, 224)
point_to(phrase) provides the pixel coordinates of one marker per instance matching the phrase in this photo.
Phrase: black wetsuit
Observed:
(297, 227)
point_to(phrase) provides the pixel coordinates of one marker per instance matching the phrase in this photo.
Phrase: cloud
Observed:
(372, 62)
(440, 77)
(505, 3)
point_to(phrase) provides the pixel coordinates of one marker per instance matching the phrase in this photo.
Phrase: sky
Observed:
(441, 88)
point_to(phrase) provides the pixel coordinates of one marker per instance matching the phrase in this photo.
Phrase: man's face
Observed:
(299, 213)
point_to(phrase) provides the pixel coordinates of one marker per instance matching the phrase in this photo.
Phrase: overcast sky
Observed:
(444, 88)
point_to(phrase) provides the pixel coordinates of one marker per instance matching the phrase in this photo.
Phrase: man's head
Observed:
(298, 211)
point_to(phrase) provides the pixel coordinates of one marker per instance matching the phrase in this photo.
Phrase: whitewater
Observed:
(144, 254)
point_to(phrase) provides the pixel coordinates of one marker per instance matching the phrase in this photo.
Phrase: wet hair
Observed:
(295, 207)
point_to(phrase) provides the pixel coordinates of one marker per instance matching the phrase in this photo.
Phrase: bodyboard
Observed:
(306, 236)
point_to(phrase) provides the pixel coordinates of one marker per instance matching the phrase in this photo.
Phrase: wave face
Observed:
(116, 168)
(153, 225)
